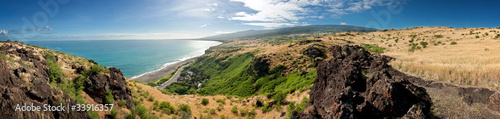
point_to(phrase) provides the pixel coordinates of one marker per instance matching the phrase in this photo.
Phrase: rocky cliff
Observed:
(26, 77)
(356, 84)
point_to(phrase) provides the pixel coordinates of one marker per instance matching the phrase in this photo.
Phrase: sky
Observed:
(30, 20)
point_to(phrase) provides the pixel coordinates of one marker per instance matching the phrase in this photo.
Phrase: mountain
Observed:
(311, 29)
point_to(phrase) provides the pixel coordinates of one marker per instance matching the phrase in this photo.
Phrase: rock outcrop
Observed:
(99, 85)
(24, 79)
(356, 84)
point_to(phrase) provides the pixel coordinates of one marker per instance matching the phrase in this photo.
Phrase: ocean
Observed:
(133, 57)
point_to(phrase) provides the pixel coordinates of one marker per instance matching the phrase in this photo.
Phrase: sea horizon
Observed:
(134, 57)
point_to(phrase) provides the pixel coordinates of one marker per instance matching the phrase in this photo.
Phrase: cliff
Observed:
(38, 76)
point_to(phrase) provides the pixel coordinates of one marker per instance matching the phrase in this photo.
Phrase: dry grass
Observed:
(472, 61)
(194, 102)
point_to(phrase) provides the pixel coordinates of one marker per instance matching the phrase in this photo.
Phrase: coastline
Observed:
(151, 77)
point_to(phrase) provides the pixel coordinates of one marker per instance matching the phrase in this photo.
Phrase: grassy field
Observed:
(467, 56)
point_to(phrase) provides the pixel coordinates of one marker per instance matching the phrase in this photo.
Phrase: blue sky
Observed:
(184, 19)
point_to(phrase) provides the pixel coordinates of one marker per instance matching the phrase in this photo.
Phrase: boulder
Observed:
(357, 84)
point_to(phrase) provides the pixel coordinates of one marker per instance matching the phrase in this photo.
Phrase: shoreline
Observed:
(151, 77)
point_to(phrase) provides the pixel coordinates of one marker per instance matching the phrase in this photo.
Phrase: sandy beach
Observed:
(167, 70)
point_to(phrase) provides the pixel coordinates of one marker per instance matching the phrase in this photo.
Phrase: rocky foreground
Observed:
(356, 84)
(25, 78)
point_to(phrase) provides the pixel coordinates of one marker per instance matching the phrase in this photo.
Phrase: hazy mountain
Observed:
(311, 29)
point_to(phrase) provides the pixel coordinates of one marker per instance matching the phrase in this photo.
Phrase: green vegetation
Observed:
(55, 71)
(234, 109)
(453, 43)
(424, 44)
(438, 36)
(166, 108)
(497, 36)
(373, 48)
(231, 76)
(184, 108)
(204, 101)
(297, 107)
(109, 99)
(4, 57)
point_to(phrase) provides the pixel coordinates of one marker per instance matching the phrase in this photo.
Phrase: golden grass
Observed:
(472, 61)
(194, 102)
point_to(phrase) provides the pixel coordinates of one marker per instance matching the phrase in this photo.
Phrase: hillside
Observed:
(38, 76)
(458, 63)
(311, 29)
(286, 76)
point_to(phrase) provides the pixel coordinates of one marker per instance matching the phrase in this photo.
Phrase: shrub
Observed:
(279, 97)
(438, 36)
(110, 98)
(184, 108)
(55, 71)
(234, 109)
(122, 102)
(252, 112)
(167, 108)
(373, 48)
(204, 101)
(424, 44)
(223, 117)
(477, 36)
(265, 108)
(221, 101)
(151, 98)
(212, 111)
(114, 113)
(453, 43)
(243, 112)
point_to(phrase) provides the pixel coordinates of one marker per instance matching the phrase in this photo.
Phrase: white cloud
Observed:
(204, 25)
(269, 25)
(4, 32)
(279, 12)
(220, 17)
(343, 23)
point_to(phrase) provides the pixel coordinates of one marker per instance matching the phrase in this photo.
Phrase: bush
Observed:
(223, 117)
(234, 109)
(110, 98)
(151, 98)
(122, 102)
(204, 101)
(184, 108)
(373, 48)
(424, 44)
(114, 113)
(55, 71)
(221, 101)
(279, 97)
(438, 36)
(167, 108)
(266, 108)
(212, 111)
(453, 43)
(243, 112)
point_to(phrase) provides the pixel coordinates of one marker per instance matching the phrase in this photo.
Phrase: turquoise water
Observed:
(133, 57)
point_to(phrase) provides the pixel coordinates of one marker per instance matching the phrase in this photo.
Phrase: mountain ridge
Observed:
(310, 29)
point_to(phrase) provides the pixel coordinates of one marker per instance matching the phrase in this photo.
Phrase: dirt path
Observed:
(173, 78)
(167, 70)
